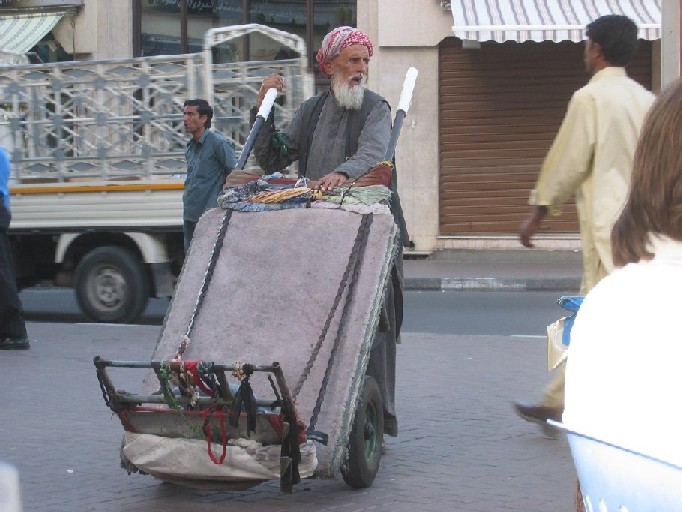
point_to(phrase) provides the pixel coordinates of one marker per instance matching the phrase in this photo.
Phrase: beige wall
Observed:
(670, 50)
(406, 34)
(103, 29)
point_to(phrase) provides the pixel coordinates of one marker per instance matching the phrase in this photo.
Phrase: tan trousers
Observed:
(553, 394)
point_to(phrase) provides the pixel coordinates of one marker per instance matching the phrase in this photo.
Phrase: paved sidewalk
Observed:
(525, 269)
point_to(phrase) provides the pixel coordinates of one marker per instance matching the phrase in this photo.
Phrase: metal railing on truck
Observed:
(122, 118)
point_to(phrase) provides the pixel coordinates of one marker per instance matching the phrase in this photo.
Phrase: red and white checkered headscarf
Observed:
(340, 38)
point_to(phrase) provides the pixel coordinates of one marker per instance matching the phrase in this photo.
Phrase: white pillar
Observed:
(670, 41)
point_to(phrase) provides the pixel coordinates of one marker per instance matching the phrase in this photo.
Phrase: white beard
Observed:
(347, 96)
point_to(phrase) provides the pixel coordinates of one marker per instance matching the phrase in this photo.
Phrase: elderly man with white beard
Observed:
(335, 136)
(338, 134)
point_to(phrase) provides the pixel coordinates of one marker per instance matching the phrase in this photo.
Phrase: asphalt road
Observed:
(481, 313)
(59, 305)
(460, 446)
(505, 313)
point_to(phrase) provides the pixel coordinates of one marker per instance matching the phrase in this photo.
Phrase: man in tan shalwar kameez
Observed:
(591, 157)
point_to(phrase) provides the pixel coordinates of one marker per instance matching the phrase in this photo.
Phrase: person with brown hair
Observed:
(623, 371)
(591, 158)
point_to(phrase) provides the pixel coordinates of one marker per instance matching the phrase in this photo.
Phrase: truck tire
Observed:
(366, 438)
(111, 285)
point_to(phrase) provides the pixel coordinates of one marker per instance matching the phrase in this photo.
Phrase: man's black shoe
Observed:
(538, 413)
(15, 344)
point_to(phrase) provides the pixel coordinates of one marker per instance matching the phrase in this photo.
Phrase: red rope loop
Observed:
(223, 435)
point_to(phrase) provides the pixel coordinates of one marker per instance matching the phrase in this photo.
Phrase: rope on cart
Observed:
(164, 373)
(215, 253)
(278, 398)
(352, 260)
(244, 399)
(355, 262)
(223, 434)
(196, 369)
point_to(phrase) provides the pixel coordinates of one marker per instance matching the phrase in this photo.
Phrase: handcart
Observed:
(215, 414)
(260, 369)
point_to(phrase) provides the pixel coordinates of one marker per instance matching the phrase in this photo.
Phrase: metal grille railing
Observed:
(123, 118)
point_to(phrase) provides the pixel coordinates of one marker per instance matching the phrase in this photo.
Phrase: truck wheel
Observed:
(112, 285)
(366, 438)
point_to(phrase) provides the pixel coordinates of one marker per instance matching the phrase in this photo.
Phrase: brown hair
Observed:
(654, 203)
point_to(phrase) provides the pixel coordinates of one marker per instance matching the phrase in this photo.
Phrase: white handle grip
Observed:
(408, 87)
(268, 101)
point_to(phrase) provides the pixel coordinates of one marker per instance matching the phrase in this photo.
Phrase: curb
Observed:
(491, 284)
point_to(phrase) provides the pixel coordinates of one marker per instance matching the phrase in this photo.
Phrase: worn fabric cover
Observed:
(187, 458)
(268, 300)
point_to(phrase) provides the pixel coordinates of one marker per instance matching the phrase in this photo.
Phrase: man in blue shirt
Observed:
(210, 159)
(13, 333)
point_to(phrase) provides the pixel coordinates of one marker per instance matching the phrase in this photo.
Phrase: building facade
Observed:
(494, 82)
(486, 107)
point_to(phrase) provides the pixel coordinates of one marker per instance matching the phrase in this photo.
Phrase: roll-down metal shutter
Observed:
(500, 108)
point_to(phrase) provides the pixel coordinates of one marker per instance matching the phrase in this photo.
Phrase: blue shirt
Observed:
(209, 161)
(4, 177)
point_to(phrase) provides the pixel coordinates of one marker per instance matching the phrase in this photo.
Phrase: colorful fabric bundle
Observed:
(262, 195)
(276, 192)
(369, 195)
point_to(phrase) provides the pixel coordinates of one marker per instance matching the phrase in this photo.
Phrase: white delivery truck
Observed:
(97, 152)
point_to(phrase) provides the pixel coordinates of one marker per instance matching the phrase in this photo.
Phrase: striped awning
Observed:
(21, 32)
(547, 20)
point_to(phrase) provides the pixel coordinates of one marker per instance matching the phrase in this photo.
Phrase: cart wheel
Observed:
(364, 444)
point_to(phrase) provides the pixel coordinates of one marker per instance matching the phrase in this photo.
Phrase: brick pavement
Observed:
(460, 447)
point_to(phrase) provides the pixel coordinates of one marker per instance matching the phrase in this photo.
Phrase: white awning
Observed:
(21, 32)
(547, 20)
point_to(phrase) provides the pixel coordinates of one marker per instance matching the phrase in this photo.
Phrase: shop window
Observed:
(160, 27)
(170, 27)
